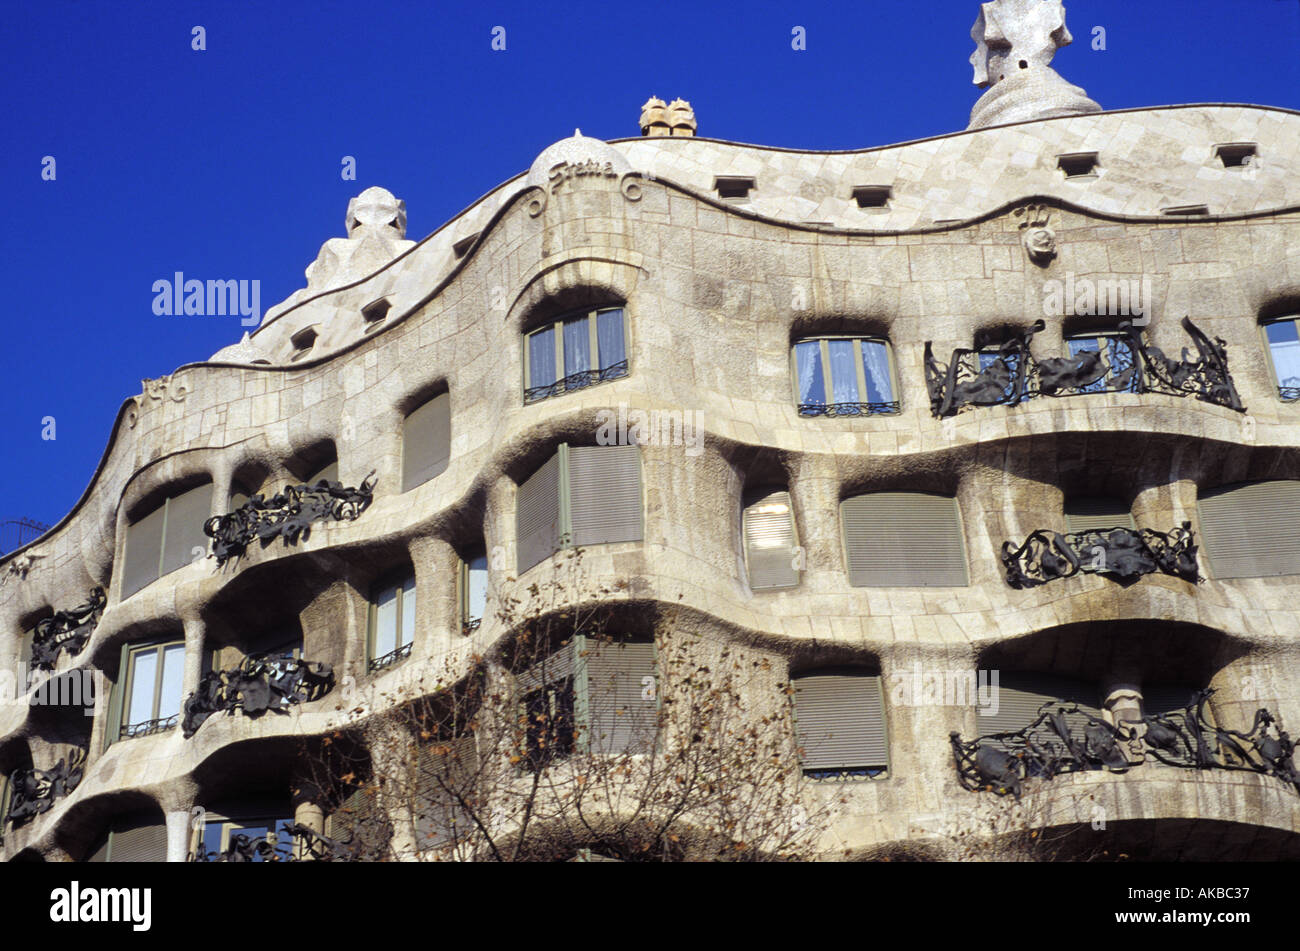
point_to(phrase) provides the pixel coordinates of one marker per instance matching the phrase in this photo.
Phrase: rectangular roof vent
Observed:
(464, 244)
(733, 187)
(1186, 210)
(873, 196)
(1236, 154)
(1078, 164)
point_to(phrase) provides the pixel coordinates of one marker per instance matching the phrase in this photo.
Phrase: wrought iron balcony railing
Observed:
(33, 791)
(131, 731)
(1010, 374)
(1124, 554)
(1064, 739)
(391, 658)
(576, 381)
(288, 515)
(259, 684)
(66, 630)
(1289, 394)
(848, 409)
(303, 844)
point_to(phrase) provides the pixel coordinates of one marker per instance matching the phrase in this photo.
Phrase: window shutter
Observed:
(113, 726)
(186, 514)
(904, 539)
(1019, 696)
(1166, 698)
(100, 854)
(557, 666)
(1089, 514)
(620, 718)
(143, 546)
(840, 721)
(605, 494)
(360, 821)
(537, 515)
(1252, 530)
(139, 840)
(426, 442)
(769, 541)
(440, 819)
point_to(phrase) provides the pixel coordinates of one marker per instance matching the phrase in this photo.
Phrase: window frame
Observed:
(1103, 385)
(828, 386)
(1294, 320)
(402, 651)
(130, 652)
(231, 825)
(556, 326)
(843, 773)
(165, 507)
(959, 534)
(757, 496)
(469, 625)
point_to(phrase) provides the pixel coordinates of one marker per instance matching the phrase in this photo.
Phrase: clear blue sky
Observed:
(225, 163)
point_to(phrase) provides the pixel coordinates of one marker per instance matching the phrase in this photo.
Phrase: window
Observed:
(768, 525)
(840, 725)
(303, 341)
(374, 313)
(583, 495)
(220, 836)
(1078, 164)
(426, 442)
(328, 472)
(1284, 356)
(151, 681)
(169, 537)
(1252, 530)
(360, 820)
(592, 695)
(1117, 354)
(392, 623)
(873, 196)
(473, 591)
(136, 838)
(1020, 695)
(903, 539)
(844, 376)
(1186, 210)
(733, 188)
(1096, 514)
(1236, 154)
(575, 351)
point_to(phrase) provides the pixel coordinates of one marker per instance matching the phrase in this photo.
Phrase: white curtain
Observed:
(808, 362)
(541, 358)
(875, 365)
(844, 372)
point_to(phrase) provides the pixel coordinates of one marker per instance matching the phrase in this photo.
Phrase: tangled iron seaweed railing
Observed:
(66, 630)
(1010, 374)
(304, 845)
(288, 515)
(1067, 740)
(1123, 553)
(260, 683)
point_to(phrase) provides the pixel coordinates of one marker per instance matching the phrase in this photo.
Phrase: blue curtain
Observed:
(808, 362)
(609, 338)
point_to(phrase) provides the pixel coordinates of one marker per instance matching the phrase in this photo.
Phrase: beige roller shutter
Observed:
(143, 551)
(1019, 696)
(840, 721)
(903, 539)
(426, 442)
(537, 515)
(448, 772)
(557, 666)
(138, 840)
(768, 524)
(605, 494)
(186, 514)
(1092, 514)
(1252, 530)
(622, 705)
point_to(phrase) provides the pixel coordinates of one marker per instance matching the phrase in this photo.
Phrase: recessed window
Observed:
(426, 442)
(583, 495)
(303, 341)
(1251, 530)
(150, 695)
(1078, 164)
(873, 196)
(392, 623)
(844, 376)
(326, 473)
(133, 838)
(735, 188)
(574, 352)
(1284, 356)
(903, 539)
(374, 313)
(1118, 362)
(1021, 695)
(1186, 210)
(1236, 154)
(169, 537)
(1096, 513)
(840, 725)
(464, 244)
(252, 837)
(473, 591)
(768, 525)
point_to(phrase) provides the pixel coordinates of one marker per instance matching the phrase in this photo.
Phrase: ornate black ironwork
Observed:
(288, 515)
(302, 844)
(260, 683)
(1010, 374)
(1289, 394)
(1123, 553)
(66, 630)
(471, 625)
(33, 791)
(130, 731)
(1067, 739)
(847, 409)
(576, 381)
(389, 659)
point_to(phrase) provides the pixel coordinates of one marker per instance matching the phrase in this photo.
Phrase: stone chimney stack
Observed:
(659, 118)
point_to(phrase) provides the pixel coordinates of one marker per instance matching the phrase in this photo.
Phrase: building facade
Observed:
(1018, 400)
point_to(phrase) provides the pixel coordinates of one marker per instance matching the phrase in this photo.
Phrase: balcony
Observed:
(1123, 554)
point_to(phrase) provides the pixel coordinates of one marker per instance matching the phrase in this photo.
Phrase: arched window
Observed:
(844, 376)
(575, 351)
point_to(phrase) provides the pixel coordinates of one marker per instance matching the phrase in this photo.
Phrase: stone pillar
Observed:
(179, 831)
